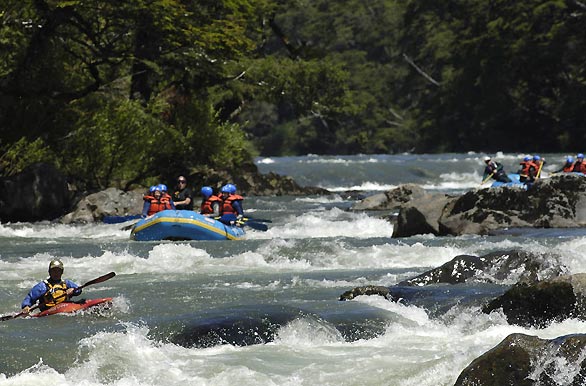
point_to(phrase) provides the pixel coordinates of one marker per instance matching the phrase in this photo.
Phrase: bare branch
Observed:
(419, 70)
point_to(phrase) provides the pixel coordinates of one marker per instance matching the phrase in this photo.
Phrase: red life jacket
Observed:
(227, 207)
(526, 169)
(579, 167)
(568, 167)
(163, 203)
(207, 205)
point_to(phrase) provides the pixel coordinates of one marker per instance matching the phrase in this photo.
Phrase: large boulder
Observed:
(557, 202)
(392, 199)
(496, 267)
(539, 304)
(40, 192)
(524, 360)
(500, 266)
(109, 202)
(421, 216)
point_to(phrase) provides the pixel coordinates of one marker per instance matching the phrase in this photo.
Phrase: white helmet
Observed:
(486, 159)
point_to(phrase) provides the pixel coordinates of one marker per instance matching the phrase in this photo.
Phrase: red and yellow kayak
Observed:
(69, 307)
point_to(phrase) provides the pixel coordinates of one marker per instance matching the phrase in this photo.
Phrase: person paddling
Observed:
(52, 291)
(567, 167)
(494, 170)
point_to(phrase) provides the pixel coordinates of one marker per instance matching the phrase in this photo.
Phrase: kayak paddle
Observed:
(95, 281)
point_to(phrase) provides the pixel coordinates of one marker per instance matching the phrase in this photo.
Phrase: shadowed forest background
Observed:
(117, 93)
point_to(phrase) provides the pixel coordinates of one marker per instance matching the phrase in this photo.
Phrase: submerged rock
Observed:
(260, 324)
(524, 360)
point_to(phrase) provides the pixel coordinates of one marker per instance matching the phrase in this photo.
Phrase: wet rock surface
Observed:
(524, 360)
(557, 202)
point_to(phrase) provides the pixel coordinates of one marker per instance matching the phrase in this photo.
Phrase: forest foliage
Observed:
(118, 93)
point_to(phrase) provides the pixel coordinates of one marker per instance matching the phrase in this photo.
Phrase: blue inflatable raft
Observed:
(183, 225)
(514, 182)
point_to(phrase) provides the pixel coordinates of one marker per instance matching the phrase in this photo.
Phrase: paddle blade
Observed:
(100, 279)
(259, 219)
(128, 227)
(256, 225)
(8, 317)
(119, 219)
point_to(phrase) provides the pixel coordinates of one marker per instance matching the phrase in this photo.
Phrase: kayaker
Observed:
(182, 196)
(232, 211)
(51, 291)
(210, 204)
(494, 170)
(157, 202)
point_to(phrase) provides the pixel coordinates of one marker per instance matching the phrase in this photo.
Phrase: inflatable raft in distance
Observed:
(183, 225)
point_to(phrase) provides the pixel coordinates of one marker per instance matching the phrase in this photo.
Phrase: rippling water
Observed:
(278, 291)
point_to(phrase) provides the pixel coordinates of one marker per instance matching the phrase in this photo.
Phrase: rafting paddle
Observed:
(255, 225)
(258, 219)
(95, 281)
(487, 178)
(119, 219)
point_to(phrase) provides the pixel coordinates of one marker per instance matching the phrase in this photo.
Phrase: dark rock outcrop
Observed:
(539, 304)
(250, 182)
(529, 302)
(524, 360)
(513, 266)
(367, 290)
(40, 192)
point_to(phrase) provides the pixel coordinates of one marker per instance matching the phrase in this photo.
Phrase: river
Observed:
(276, 292)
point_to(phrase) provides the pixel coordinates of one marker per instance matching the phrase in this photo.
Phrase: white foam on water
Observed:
(329, 223)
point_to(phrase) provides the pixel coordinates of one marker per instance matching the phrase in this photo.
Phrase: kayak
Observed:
(183, 225)
(70, 307)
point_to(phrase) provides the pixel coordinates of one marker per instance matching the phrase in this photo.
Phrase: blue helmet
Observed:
(162, 187)
(152, 189)
(225, 189)
(580, 155)
(570, 159)
(232, 188)
(536, 158)
(207, 191)
(527, 158)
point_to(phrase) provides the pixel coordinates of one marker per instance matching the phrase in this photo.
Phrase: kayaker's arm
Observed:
(72, 288)
(34, 295)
